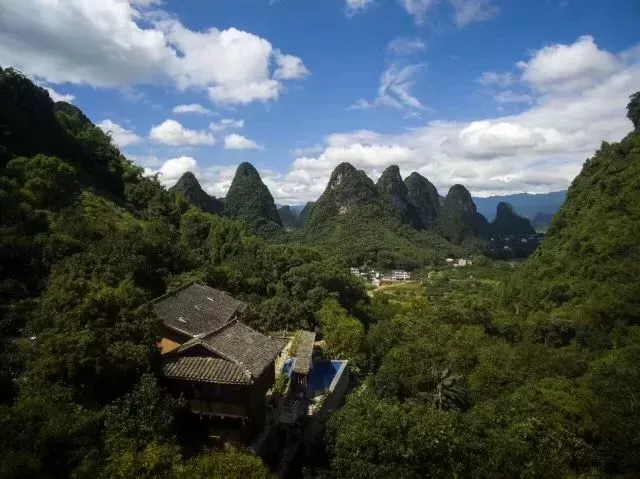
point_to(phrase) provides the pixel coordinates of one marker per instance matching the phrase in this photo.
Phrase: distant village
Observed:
(377, 278)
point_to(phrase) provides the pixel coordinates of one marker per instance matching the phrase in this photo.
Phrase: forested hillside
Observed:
(189, 187)
(249, 200)
(365, 223)
(491, 373)
(507, 221)
(86, 241)
(482, 372)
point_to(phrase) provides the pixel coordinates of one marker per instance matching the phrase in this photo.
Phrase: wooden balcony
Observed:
(214, 408)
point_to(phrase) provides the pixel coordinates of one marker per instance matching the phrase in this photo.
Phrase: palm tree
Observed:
(450, 394)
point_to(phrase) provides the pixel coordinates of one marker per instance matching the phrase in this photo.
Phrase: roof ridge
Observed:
(172, 292)
(200, 339)
(226, 356)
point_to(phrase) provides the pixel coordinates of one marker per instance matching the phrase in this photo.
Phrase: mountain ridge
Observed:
(189, 187)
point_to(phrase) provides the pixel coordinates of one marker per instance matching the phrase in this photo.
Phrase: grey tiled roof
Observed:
(213, 370)
(305, 352)
(244, 345)
(195, 309)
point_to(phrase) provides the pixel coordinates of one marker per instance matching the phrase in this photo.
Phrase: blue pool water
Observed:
(322, 373)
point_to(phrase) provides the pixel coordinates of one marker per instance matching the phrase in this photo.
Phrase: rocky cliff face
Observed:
(507, 221)
(459, 218)
(190, 188)
(393, 191)
(424, 198)
(249, 198)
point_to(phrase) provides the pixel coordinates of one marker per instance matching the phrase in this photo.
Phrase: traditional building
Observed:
(221, 366)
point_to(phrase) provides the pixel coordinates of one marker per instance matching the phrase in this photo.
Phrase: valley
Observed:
(139, 321)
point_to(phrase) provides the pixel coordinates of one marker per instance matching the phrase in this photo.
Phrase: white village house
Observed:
(400, 275)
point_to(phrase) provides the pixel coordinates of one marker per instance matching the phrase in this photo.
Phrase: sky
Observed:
(502, 96)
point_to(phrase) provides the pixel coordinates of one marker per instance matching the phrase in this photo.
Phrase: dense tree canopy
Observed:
(86, 241)
(488, 371)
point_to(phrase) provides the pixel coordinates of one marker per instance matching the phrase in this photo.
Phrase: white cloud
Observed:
(473, 11)
(120, 135)
(568, 67)
(492, 78)
(406, 45)
(57, 96)
(242, 72)
(290, 67)
(192, 108)
(226, 124)
(119, 43)
(538, 150)
(417, 8)
(353, 7)
(394, 90)
(170, 132)
(171, 170)
(239, 142)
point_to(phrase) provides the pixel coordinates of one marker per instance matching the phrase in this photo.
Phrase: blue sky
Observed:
(500, 95)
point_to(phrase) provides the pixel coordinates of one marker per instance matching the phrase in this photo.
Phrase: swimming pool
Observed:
(323, 374)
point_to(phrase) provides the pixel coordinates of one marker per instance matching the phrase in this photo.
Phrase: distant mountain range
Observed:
(392, 221)
(526, 204)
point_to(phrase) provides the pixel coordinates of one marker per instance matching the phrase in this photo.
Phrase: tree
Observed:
(342, 333)
(633, 110)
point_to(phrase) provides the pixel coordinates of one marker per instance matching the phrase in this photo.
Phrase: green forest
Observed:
(489, 371)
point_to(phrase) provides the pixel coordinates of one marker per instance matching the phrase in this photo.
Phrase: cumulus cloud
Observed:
(289, 67)
(171, 170)
(239, 142)
(120, 135)
(192, 108)
(171, 132)
(119, 43)
(569, 67)
(226, 124)
(353, 7)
